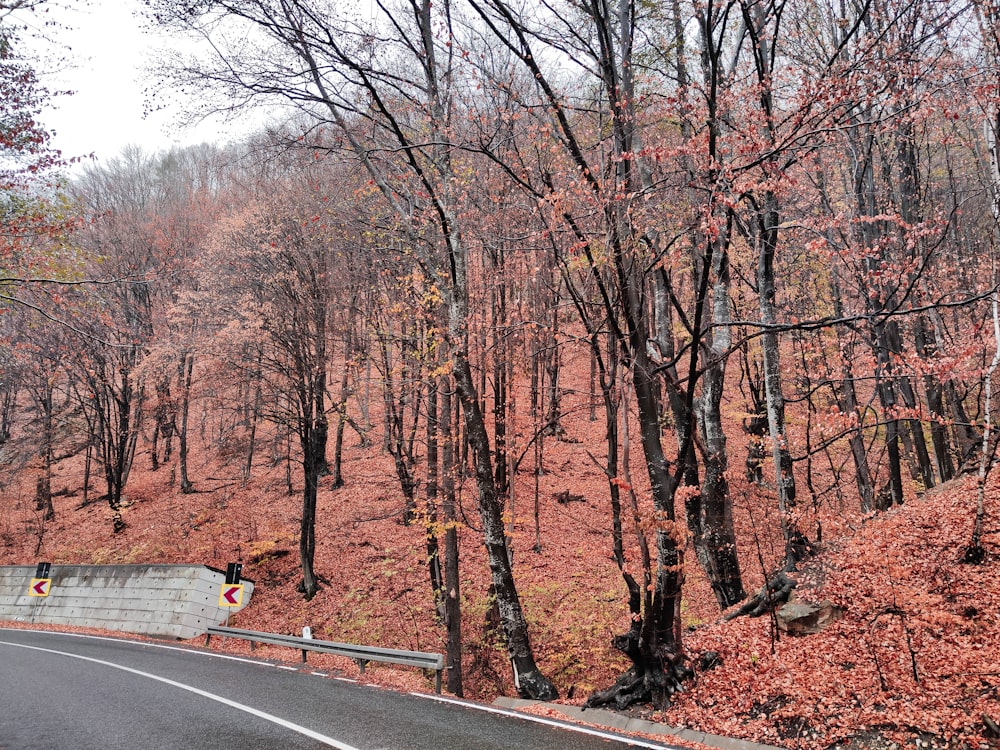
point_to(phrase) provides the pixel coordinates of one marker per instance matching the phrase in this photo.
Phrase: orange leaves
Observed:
(620, 482)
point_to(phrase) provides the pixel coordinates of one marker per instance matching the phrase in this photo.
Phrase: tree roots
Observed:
(780, 584)
(649, 680)
(772, 595)
(536, 686)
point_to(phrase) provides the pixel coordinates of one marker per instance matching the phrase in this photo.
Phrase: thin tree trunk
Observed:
(592, 400)
(307, 525)
(846, 393)
(337, 467)
(767, 238)
(431, 494)
(914, 427)
(43, 490)
(452, 579)
(528, 680)
(186, 370)
(975, 553)
(927, 349)
(8, 401)
(539, 457)
(710, 513)
(553, 416)
(87, 466)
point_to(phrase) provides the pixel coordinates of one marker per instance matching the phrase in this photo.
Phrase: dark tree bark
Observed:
(41, 378)
(452, 579)
(337, 466)
(162, 424)
(116, 410)
(709, 513)
(185, 374)
(43, 487)
(431, 493)
(553, 414)
(8, 400)
(501, 367)
(927, 349)
(528, 679)
(395, 399)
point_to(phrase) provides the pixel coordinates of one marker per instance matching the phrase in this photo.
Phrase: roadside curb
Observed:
(612, 720)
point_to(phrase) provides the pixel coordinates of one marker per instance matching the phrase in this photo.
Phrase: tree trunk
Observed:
(452, 579)
(313, 434)
(767, 239)
(431, 494)
(500, 362)
(887, 399)
(927, 349)
(395, 439)
(707, 505)
(8, 400)
(975, 553)
(714, 535)
(186, 370)
(528, 679)
(914, 427)
(847, 402)
(553, 415)
(307, 525)
(337, 467)
(43, 490)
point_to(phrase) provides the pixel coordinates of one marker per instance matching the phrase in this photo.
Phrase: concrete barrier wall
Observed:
(178, 601)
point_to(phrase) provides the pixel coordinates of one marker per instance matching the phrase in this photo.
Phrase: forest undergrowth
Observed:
(913, 661)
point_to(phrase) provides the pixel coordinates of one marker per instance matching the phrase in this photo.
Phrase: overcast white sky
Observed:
(108, 50)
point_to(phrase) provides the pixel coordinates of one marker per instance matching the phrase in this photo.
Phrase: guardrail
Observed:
(360, 654)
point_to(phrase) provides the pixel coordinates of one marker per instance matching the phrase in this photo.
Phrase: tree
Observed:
(631, 247)
(118, 317)
(281, 259)
(25, 154)
(388, 88)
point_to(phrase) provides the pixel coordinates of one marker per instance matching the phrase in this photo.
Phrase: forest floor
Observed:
(913, 662)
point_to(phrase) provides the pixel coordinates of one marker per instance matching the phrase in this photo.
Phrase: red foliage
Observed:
(909, 604)
(912, 656)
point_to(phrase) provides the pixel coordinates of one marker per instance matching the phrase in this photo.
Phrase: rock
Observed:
(806, 618)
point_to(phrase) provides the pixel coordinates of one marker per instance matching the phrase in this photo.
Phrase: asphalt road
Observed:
(71, 692)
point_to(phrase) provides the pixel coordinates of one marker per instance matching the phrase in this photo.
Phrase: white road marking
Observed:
(466, 704)
(197, 691)
(634, 742)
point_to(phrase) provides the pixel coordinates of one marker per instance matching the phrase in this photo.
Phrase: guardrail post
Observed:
(307, 633)
(437, 681)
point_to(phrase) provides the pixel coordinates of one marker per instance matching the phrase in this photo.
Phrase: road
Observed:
(73, 692)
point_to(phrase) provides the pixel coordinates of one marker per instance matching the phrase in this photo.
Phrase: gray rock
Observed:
(806, 618)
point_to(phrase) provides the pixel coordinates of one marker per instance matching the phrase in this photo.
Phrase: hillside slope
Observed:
(914, 655)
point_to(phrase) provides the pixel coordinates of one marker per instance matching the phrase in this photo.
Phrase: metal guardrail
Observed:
(360, 654)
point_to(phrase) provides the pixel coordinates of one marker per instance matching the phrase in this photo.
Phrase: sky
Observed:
(107, 49)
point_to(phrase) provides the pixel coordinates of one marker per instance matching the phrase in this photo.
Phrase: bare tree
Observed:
(378, 89)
